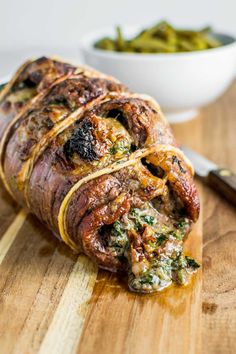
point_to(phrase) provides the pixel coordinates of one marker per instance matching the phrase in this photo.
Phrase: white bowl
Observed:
(180, 82)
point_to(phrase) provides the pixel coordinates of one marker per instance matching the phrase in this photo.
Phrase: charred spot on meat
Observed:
(82, 143)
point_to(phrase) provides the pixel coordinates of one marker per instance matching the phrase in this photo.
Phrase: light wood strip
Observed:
(33, 276)
(65, 329)
(11, 233)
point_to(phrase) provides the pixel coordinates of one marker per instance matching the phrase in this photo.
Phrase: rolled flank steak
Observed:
(100, 167)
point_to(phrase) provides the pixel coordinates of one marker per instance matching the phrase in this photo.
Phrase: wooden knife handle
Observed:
(224, 182)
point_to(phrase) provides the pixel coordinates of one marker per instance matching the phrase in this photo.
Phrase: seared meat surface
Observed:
(100, 167)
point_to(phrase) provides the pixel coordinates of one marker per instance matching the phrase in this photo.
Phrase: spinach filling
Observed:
(120, 146)
(118, 242)
(154, 249)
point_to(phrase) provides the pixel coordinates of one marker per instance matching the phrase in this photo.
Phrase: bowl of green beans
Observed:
(183, 69)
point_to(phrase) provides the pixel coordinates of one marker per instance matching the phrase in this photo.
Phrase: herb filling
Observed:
(154, 249)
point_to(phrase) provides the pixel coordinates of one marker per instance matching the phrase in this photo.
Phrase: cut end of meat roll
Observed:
(100, 167)
(136, 218)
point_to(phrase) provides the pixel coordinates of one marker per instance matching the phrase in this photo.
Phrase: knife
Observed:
(222, 180)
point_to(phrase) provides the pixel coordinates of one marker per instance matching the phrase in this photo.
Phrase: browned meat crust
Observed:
(89, 123)
(145, 124)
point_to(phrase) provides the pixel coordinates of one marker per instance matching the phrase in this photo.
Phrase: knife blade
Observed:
(221, 179)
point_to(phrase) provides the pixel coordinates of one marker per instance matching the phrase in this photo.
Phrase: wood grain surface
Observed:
(54, 302)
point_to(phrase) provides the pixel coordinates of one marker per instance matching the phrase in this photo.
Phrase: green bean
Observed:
(105, 43)
(152, 45)
(120, 40)
(161, 38)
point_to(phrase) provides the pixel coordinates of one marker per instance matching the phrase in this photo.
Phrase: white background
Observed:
(29, 27)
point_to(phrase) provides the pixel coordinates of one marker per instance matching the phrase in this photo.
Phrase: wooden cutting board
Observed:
(53, 302)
